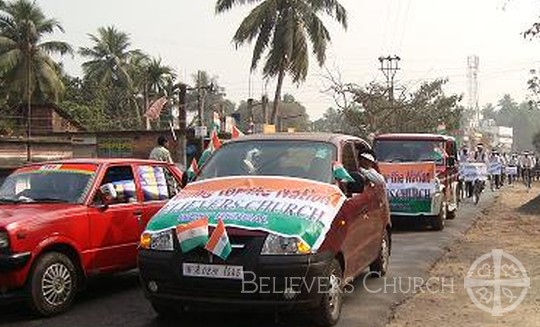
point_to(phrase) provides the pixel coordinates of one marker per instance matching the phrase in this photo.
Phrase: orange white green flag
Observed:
(193, 234)
(219, 243)
(236, 132)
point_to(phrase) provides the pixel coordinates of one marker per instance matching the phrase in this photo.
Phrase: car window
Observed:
(300, 159)
(348, 158)
(124, 183)
(157, 183)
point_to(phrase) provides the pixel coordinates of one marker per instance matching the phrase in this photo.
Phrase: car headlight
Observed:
(4, 240)
(158, 241)
(279, 245)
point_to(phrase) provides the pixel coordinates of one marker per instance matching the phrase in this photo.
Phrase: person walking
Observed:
(160, 152)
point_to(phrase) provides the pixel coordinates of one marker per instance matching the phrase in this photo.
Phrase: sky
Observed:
(433, 38)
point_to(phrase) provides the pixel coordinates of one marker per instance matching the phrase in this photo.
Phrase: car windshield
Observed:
(409, 151)
(65, 183)
(302, 159)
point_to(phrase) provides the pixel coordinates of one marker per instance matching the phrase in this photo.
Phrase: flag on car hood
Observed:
(193, 234)
(219, 243)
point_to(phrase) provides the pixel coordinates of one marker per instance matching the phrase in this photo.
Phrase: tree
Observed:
(282, 30)
(369, 110)
(536, 142)
(25, 58)
(334, 121)
(114, 64)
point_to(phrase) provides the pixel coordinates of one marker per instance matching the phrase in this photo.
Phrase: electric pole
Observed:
(182, 93)
(201, 92)
(390, 67)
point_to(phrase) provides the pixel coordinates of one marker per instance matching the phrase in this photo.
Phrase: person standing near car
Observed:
(160, 152)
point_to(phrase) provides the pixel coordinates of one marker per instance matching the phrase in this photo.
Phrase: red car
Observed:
(61, 222)
(260, 187)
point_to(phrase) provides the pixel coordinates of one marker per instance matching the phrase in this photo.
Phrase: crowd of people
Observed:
(503, 167)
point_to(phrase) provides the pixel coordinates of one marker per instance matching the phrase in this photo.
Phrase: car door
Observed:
(158, 184)
(357, 218)
(377, 208)
(114, 229)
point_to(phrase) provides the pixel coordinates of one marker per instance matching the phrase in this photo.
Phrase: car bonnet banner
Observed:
(410, 186)
(288, 207)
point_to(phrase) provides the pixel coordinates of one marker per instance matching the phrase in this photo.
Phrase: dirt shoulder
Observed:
(446, 302)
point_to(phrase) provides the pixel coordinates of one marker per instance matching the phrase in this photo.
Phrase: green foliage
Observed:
(524, 118)
(294, 115)
(26, 66)
(369, 110)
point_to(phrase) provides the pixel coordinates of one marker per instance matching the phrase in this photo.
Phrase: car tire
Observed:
(379, 267)
(328, 311)
(438, 221)
(164, 310)
(52, 284)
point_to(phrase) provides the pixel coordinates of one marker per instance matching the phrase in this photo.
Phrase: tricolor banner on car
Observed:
(410, 186)
(285, 206)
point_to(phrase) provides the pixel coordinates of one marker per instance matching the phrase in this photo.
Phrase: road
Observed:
(118, 301)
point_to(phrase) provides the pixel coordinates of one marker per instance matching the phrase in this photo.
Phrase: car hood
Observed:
(28, 214)
(284, 206)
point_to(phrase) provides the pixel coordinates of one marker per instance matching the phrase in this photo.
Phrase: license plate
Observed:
(213, 271)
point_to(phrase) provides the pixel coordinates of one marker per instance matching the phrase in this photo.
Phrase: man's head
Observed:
(366, 160)
(162, 141)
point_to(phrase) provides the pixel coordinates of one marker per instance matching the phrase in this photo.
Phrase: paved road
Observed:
(118, 301)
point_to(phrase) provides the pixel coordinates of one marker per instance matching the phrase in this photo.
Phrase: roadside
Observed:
(513, 225)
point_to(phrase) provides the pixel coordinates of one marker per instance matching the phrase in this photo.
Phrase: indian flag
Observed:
(213, 145)
(219, 243)
(236, 132)
(193, 170)
(341, 174)
(193, 234)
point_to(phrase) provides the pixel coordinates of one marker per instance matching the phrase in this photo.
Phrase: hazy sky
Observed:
(433, 38)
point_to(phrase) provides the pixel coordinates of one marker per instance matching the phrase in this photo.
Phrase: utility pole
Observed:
(182, 93)
(390, 67)
(201, 92)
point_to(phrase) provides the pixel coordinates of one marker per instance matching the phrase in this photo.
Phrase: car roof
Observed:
(317, 137)
(98, 161)
(415, 136)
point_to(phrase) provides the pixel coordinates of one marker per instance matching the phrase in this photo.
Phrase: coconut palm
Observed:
(110, 57)
(158, 76)
(112, 62)
(282, 30)
(25, 62)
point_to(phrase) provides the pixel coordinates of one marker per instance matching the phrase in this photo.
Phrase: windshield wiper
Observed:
(49, 200)
(9, 200)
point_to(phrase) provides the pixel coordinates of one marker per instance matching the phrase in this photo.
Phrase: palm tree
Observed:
(110, 57)
(113, 63)
(25, 62)
(158, 76)
(282, 29)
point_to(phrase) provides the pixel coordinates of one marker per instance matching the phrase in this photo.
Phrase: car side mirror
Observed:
(357, 186)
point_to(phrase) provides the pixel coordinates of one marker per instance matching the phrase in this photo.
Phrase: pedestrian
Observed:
(160, 152)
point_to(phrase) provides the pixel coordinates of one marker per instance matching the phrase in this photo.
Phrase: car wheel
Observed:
(52, 284)
(164, 310)
(438, 221)
(327, 313)
(379, 267)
